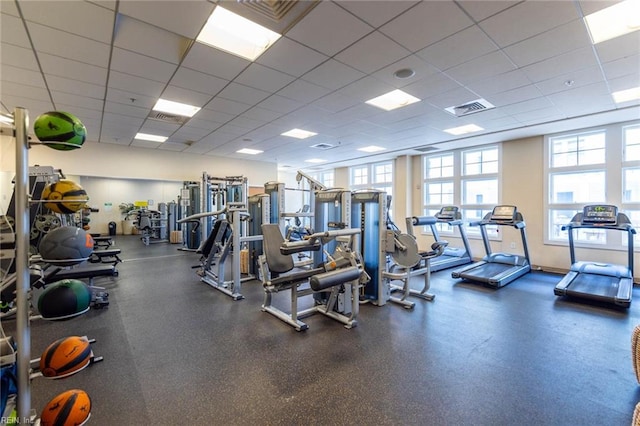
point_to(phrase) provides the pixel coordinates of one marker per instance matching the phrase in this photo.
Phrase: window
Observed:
(592, 166)
(373, 176)
(327, 178)
(466, 178)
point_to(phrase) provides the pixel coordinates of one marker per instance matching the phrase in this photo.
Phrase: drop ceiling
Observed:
(108, 62)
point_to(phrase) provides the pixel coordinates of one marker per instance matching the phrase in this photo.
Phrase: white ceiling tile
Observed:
(622, 67)
(123, 109)
(135, 85)
(291, 57)
(246, 123)
(426, 24)
(480, 10)
(181, 17)
(376, 12)
(213, 61)
(367, 88)
(227, 106)
(171, 145)
(328, 29)
(11, 89)
(563, 39)
(432, 85)
(141, 66)
(513, 96)
(491, 64)
(372, 53)
(583, 77)
(279, 104)
(530, 105)
(303, 91)
(61, 84)
(211, 116)
(583, 100)
(244, 94)
(332, 75)
(108, 4)
(561, 64)
(34, 107)
(145, 144)
(12, 30)
(159, 127)
(127, 121)
(17, 56)
(264, 78)
(198, 81)
(22, 76)
(628, 81)
(507, 81)
(336, 101)
(532, 17)
(149, 40)
(619, 47)
(208, 125)
(128, 98)
(185, 96)
(190, 133)
(458, 48)
(76, 17)
(261, 114)
(80, 71)
(66, 45)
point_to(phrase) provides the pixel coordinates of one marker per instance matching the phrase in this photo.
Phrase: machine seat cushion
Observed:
(294, 278)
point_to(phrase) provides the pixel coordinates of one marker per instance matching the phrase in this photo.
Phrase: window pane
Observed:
(634, 217)
(439, 193)
(483, 191)
(631, 136)
(359, 176)
(559, 218)
(480, 162)
(631, 185)
(475, 215)
(439, 166)
(580, 187)
(382, 173)
(573, 150)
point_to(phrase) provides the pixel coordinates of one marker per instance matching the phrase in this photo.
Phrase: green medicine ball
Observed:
(61, 127)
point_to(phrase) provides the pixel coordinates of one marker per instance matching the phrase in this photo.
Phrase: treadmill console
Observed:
(600, 214)
(504, 213)
(448, 213)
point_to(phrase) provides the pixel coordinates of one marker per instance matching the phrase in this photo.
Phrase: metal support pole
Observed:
(23, 338)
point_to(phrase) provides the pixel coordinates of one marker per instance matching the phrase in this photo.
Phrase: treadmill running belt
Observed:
(596, 285)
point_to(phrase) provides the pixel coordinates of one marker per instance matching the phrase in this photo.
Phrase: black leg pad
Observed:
(329, 279)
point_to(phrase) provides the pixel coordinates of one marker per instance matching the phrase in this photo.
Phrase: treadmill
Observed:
(603, 282)
(498, 269)
(452, 256)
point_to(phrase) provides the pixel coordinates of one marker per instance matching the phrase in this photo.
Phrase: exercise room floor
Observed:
(177, 351)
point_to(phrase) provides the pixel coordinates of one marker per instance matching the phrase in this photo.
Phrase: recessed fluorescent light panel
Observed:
(392, 100)
(469, 128)
(371, 148)
(148, 137)
(234, 34)
(249, 151)
(176, 108)
(626, 95)
(299, 133)
(614, 21)
(315, 160)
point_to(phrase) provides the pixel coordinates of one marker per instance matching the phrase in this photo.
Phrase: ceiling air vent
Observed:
(470, 108)
(426, 148)
(168, 118)
(322, 146)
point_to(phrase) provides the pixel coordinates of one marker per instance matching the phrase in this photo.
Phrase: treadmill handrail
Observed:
(626, 227)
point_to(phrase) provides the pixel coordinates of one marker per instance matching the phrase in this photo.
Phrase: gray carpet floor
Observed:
(177, 351)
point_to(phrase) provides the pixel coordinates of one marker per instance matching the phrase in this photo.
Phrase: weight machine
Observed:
(220, 263)
(341, 276)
